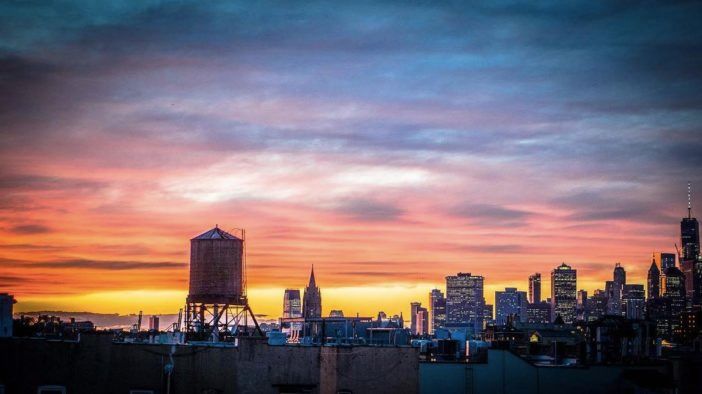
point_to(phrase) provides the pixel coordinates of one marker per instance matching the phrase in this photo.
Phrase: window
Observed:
(51, 390)
(2, 389)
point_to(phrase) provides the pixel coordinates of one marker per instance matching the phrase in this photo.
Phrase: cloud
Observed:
(369, 210)
(487, 214)
(102, 264)
(29, 229)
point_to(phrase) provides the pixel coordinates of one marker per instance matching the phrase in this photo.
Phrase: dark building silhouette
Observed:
(690, 262)
(613, 290)
(658, 310)
(664, 260)
(535, 288)
(654, 281)
(597, 305)
(689, 232)
(633, 301)
(312, 300)
(673, 288)
(619, 275)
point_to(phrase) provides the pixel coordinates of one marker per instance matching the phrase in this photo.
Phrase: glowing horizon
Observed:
(389, 145)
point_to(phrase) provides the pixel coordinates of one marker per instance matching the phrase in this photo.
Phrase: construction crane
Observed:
(678, 251)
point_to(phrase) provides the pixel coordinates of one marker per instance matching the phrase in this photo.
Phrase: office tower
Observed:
(633, 301)
(465, 301)
(690, 262)
(619, 275)
(581, 306)
(510, 305)
(535, 288)
(659, 310)
(563, 293)
(689, 232)
(414, 308)
(488, 316)
(597, 305)
(673, 288)
(613, 290)
(422, 319)
(539, 312)
(654, 281)
(312, 299)
(292, 305)
(437, 304)
(664, 260)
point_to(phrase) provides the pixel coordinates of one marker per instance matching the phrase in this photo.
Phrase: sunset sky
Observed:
(388, 143)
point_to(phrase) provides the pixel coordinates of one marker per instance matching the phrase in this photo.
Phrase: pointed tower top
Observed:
(689, 200)
(312, 283)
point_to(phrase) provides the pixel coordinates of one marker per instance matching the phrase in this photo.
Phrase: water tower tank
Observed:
(216, 267)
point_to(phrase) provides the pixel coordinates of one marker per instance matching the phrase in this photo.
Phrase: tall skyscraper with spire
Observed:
(690, 262)
(312, 300)
(690, 231)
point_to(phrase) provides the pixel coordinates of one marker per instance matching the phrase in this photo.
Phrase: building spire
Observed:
(689, 200)
(312, 283)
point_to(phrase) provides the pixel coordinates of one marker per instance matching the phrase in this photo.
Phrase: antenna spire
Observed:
(689, 200)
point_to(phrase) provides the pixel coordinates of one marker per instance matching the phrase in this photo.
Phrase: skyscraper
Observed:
(535, 288)
(653, 285)
(664, 260)
(437, 306)
(414, 308)
(422, 321)
(597, 305)
(613, 290)
(312, 300)
(673, 288)
(563, 293)
(633, 301)
(690, 262)
(510, 304)
(581, 305)
(292, 305)
(465, 301)
(619, 275)
(689, 231)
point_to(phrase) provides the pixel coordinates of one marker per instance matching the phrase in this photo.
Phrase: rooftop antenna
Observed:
(689, 200)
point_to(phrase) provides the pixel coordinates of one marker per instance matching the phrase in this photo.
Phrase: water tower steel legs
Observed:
(206, 318)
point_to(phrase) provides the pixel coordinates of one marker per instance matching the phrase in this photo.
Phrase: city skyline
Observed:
(618, 271)
(340, 136)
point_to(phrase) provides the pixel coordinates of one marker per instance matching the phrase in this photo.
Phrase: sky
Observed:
(388, 143)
